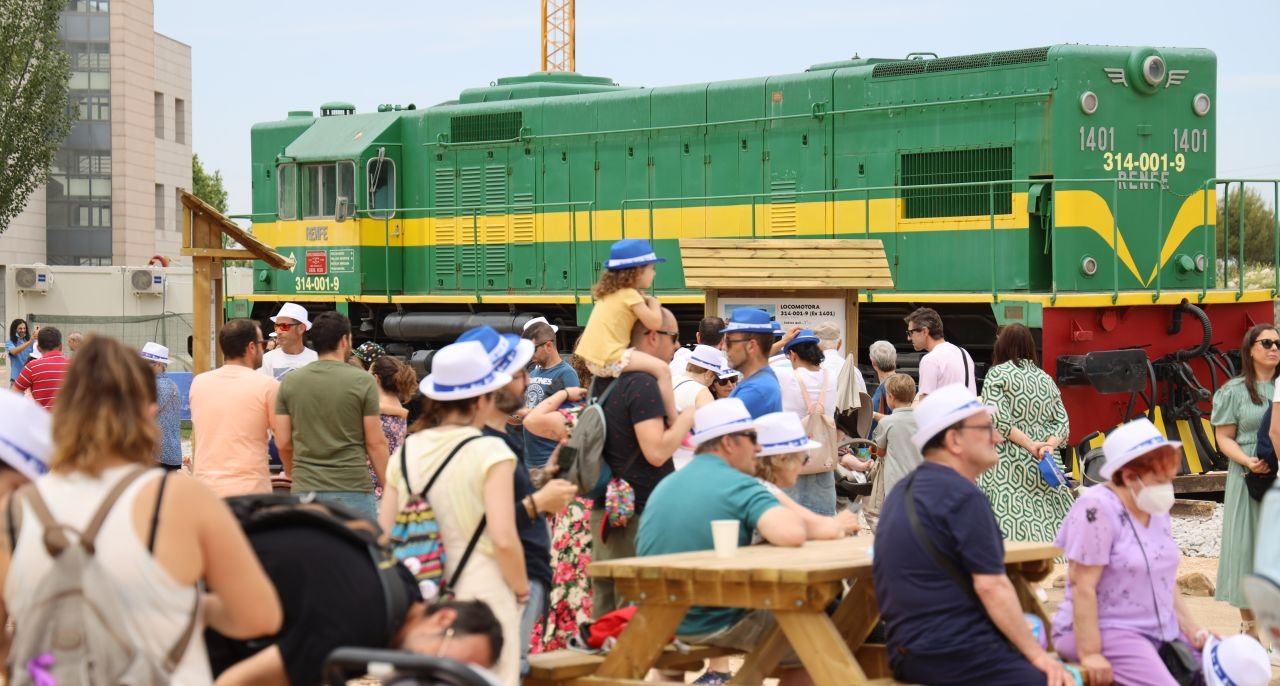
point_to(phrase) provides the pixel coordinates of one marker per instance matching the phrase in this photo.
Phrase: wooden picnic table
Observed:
(796, 584)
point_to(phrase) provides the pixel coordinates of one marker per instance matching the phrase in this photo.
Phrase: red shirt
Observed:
(44, 377)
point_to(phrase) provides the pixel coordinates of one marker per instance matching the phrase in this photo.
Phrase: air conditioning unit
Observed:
(33, 279)
(146, 281)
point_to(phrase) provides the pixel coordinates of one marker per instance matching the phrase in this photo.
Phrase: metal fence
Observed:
(170, 329)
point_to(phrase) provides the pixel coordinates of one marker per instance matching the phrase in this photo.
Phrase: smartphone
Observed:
(565, 461)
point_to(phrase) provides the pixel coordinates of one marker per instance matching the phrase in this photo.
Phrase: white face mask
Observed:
(1156, 499)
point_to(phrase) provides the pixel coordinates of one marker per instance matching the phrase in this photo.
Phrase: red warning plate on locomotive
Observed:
(317, 262)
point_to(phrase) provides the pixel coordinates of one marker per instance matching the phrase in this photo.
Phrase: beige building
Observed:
(112, 195)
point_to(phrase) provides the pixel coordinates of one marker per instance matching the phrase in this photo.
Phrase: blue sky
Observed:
(254, 61)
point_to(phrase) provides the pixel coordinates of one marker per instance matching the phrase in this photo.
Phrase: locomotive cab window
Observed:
(382, 188)
(287, 191)
(323, 184)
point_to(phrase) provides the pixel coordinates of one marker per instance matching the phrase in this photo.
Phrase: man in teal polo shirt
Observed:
(717, 485)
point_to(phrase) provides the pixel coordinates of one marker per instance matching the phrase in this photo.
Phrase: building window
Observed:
(94, 107)
(323, 184)
(159, 115)
(180, 120)
(88, 5)
(160, 219)
(90, 80)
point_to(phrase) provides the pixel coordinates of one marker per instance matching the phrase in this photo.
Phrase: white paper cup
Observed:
(724, 532)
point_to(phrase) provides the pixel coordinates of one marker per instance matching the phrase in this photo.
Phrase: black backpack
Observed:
(268, 512)
(1259, 484)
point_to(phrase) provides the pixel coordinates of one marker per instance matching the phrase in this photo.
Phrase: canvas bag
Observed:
(74, 634)
(415, 536)
(817, 425)
(590, 473)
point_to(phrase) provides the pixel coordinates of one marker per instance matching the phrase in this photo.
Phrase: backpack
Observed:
(590, 473)
(74, 634)
(817, 425)
(415, 536)
(259, 513)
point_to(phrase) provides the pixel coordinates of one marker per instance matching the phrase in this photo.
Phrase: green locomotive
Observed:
(1068, 187)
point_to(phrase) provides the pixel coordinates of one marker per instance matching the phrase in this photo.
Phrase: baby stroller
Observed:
(398, 668)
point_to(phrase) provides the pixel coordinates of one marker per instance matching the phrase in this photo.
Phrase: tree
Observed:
(1259, 226)
(208, 187)
(35, 116)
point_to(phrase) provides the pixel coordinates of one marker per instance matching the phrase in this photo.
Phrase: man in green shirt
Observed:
(718, 485)
(328, 412)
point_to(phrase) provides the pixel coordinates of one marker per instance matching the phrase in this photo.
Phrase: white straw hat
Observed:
(26, 439)
(296, 312)
(154, 352)
(460, 371)
(721, 417)
(540, 320)
(708, 358)
(1130, 441)
(944, 407)
(782, 433)
(1237, 660)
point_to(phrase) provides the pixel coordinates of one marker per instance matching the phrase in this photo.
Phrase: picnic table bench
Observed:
(795, 584)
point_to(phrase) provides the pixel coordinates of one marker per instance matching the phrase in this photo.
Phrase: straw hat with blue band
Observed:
(1130, 441)
(805, 336)
(720, 418)
(749, 320)
(943, 408)
(630, 253)
(26, 436)
(708, 358)
(1237, 660)
(460, 371)
(154, 352)
(508, 353)
(782, 433)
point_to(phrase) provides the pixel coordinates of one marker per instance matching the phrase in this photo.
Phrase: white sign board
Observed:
(791, 311)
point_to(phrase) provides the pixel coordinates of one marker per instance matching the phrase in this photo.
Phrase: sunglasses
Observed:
(1269, 343)
(675, 335)
(749, 434)
(726, 382)
(285, 327)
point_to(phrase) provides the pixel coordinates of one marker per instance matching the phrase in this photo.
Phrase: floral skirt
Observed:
(570, 597)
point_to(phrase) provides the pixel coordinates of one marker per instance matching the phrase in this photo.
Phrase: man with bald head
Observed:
(638, 447)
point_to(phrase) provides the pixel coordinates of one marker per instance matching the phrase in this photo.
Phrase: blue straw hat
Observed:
(508, 353)
(629, 253)
(805, 336)
(749, 320)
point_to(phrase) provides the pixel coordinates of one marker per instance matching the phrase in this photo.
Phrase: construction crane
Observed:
(557, 35)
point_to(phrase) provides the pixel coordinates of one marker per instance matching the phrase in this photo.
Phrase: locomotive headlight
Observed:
(1201, 262)
(1153, 70)
(1088, 266)
(1088, 102)
(1201, 104)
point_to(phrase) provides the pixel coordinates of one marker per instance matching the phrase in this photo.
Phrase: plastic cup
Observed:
(724, 533)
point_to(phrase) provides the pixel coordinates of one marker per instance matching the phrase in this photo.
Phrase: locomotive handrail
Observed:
(1212, 184)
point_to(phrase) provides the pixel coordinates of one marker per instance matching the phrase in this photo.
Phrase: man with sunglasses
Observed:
(549, 375)
(943, 363)
(747, 341)
(952, 614)
(719, 485)
(291, 324)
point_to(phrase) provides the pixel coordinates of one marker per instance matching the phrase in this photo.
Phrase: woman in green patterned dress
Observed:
(1237, 414)
(1033, 420)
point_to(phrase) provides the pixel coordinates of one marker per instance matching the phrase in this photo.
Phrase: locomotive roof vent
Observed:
(854, 61)
(330, 109)
(541, 84)
(983, 60)
(301, 114)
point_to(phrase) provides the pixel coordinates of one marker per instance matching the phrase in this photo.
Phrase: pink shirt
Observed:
(945, 365)
(1097, 532)
(231, 409)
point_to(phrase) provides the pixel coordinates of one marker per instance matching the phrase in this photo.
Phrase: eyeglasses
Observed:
(748, 434)
(989, 428)
(1269, 343)
(675, 335)
(281, 326)
(916, 330)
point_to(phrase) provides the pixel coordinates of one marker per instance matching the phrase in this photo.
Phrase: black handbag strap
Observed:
(964, 580)
(964, 362)
(466, 554)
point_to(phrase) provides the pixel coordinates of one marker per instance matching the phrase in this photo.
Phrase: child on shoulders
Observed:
(605, 343)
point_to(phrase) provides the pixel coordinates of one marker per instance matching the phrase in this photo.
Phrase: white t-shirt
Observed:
(793, 401)
(946, 364)
(277, 363)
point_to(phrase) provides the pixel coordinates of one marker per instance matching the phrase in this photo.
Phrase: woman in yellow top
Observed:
(474, 489)
(605, 343)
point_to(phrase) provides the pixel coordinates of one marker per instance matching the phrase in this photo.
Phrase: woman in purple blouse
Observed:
(1121, 601)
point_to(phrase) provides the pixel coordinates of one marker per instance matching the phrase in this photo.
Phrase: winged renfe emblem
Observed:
(1116, 74)
(1176, 76)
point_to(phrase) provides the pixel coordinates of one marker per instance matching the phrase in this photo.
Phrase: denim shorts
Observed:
(817, 492)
